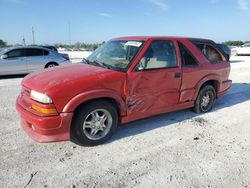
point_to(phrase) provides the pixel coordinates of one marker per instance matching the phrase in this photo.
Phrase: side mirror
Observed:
(4, 56)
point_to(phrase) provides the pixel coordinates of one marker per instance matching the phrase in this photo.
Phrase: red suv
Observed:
(126, 79)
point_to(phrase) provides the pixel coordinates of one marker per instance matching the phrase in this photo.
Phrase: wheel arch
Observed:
(212, 80)
(51, 62)
(101, 94)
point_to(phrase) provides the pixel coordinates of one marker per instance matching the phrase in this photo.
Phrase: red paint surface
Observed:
(137, 94)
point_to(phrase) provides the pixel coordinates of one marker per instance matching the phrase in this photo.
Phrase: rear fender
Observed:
(204, 80)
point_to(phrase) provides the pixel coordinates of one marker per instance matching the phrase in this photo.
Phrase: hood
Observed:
(63, 75)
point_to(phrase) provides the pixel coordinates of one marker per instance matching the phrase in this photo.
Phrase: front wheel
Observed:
(205, 100)
(94, 123)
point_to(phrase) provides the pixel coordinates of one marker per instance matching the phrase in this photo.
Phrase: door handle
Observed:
(177, 75)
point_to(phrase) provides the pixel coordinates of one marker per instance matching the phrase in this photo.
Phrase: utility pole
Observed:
(33, 35)
(69, 34)
(23, 41)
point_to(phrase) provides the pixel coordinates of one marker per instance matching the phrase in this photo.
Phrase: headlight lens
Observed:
(40, 97)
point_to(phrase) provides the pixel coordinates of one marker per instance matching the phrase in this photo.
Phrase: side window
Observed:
(160, 54)
(34, 52)
(45, 52)
(211, 53)
(187, 59)
(16, 53)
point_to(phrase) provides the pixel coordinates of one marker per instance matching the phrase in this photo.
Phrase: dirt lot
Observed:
(180, 149)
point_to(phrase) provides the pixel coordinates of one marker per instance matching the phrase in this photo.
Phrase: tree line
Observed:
(76, 46)
(80, 46)
(3, 44)
(235, 43)
(93, 46)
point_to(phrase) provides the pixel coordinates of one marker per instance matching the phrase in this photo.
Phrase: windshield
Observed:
(246, 45)
(115, 55)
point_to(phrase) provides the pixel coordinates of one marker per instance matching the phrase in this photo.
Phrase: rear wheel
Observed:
(49, 65)
(205, 100)
(94, 123)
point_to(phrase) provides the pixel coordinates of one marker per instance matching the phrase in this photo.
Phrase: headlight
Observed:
(40, 97)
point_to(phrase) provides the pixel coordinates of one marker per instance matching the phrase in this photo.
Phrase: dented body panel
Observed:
(137, 94)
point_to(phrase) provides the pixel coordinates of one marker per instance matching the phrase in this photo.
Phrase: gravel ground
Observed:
(180, 149)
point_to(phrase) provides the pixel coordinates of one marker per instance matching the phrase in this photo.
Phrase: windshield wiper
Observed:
(92, 62)
(98, 63)
(102, 64)
(85, 61)
(106, 65)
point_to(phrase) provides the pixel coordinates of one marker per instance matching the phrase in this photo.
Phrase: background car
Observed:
(23, 60)
(225, 49)
(243, 50)
(53, 48)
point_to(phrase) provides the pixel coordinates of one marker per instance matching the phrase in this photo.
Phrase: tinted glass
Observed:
(16, 53)
(160, 54)
(187, 59)
(211, 53)
(34, 52)
(45, 52)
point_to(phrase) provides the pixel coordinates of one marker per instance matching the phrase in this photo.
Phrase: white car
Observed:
(24, 60)
(243, 50)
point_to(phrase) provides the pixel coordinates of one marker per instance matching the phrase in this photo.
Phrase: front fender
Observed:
(95, 94)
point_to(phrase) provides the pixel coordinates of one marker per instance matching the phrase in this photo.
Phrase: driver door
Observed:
(154, 86)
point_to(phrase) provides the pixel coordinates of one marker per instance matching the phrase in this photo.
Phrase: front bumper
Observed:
(45, 129)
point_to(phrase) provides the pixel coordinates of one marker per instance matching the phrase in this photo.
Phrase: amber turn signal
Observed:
(45, 111)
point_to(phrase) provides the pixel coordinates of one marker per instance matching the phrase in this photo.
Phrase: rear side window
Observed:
(160, 54)
(34, 52)
(211, 53)
(187, 59)
(45, 52)
(16, 53)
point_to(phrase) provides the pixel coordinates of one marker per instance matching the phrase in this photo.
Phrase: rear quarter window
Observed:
(34, 52)
(210, 52)
(45, 52)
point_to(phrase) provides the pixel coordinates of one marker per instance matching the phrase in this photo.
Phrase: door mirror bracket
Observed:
(140, 67)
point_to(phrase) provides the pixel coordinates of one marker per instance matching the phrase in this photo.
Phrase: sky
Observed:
(90, 21)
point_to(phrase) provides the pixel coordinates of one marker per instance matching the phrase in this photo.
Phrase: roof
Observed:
(26, 47)
(144, 38)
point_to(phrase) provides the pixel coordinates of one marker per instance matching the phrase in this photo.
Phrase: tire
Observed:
(94, 123)
(49, 65)
(205, 99)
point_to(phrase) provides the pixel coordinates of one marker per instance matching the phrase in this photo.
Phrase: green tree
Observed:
(2, 44)
(234, 43)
